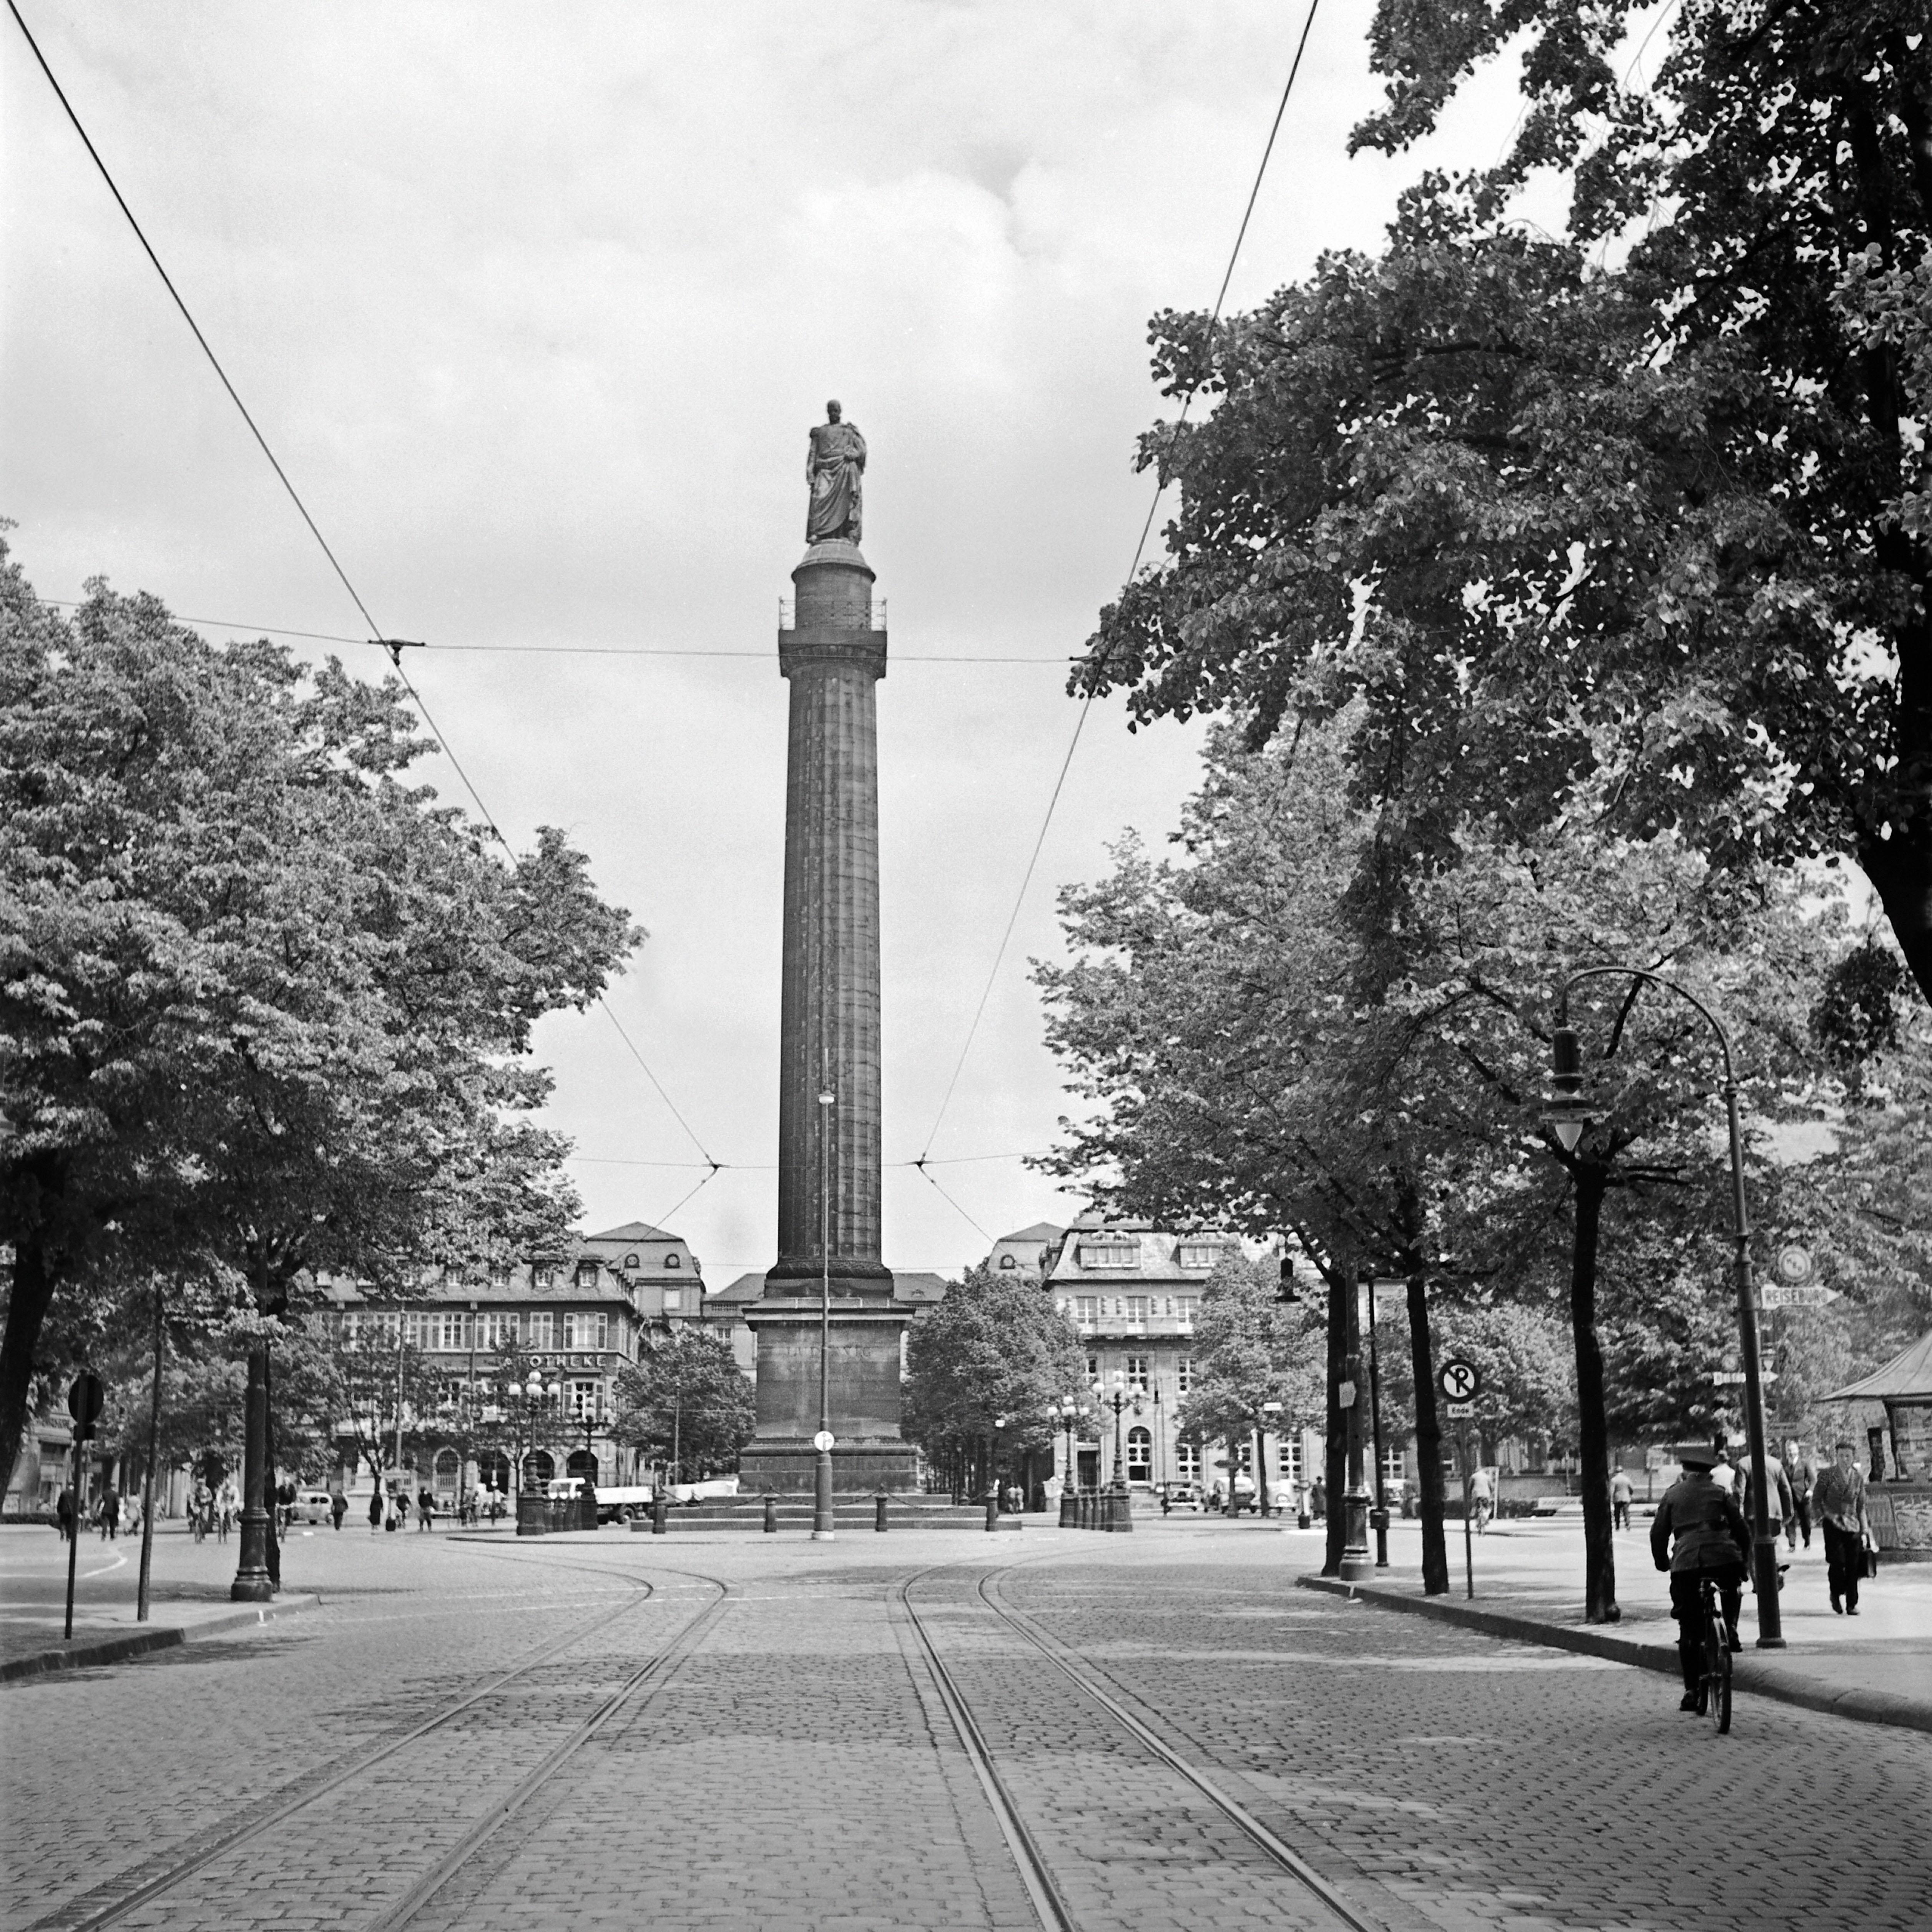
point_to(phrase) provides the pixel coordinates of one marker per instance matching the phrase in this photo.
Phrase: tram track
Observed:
(79, 1916)
(1043, 1887)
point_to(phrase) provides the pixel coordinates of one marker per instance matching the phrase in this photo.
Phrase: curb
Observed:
(81, 1654)
(1866, 1707)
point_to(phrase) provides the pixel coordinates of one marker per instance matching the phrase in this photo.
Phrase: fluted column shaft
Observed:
(829, 1001)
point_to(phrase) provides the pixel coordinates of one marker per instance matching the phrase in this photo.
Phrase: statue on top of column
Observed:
(835, 464)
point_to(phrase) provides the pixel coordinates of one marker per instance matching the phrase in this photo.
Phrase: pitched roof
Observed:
(632, 1231)
(1907, 1377)
(746, 1288)
(1040, 1231)
(923, 1288)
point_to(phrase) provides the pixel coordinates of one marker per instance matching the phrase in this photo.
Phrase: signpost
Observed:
(83, 1403)
(1812, 1296)
(1461, 1384)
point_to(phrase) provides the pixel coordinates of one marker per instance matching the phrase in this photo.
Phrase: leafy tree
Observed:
(1250, 1349)
(994, 1359)
(686, 1401)
(255, 983)
(1654, 531)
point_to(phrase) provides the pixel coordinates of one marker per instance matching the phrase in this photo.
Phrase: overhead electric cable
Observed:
(552, 650)
(393, 646)
(1146, 528)
(952, 1204)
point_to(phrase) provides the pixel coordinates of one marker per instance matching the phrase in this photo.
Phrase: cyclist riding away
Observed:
(1710, 1536)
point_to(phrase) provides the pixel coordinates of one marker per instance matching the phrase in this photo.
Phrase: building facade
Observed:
(578, 1317)
(1132, 1293)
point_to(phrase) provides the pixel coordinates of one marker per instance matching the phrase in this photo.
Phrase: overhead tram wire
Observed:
(393, 646)
(1140, 549)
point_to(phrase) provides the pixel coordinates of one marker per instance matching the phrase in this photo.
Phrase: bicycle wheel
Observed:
(1717, 1672)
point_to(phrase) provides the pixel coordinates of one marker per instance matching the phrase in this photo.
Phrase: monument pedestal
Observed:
(867, 1454)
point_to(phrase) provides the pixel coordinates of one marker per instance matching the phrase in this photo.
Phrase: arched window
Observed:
(1008, 1261)
(493, 1471)
(671, 1260)
(1140, 1456)
(538, 1469)
(581, 1463)
(630, 1261)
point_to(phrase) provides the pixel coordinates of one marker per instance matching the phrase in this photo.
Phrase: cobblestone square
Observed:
(744, 1732)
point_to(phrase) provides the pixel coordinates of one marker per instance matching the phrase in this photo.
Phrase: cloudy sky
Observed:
(535, 305)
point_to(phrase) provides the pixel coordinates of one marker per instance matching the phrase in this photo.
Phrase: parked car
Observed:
(1184, 1496)
(312, 1506)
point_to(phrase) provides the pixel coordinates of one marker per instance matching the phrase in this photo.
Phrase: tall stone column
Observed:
(828, 1155)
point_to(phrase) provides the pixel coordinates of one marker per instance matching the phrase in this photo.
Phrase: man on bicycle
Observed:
(1711, 1538)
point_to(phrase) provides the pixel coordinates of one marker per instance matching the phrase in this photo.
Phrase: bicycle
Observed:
(1713, 1689)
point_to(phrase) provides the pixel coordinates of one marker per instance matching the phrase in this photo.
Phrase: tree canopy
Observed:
(1644, 536)
(264, 1006)
(685, 1400)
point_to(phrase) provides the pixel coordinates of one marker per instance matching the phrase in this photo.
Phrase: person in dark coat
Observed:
(376, 1511)
(64, 1513)
(338, 1508)
(1698, 1528)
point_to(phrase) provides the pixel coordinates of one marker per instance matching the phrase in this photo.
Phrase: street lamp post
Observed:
(532, 1511)
(1069, 1498)
(1378, 1516)
(1568, 1117)
(1118, 1512)
(821, 1443)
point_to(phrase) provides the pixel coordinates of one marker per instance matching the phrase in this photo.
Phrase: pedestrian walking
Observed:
(425, 1509)
(1803, 1471)
(1838, 1501)
(376, 1512)
(64, 1513)
(227, 1506)
(338, 1507)
(1622, 1493)
(1779, 1506)
(1318, 1497)
(107, 1513)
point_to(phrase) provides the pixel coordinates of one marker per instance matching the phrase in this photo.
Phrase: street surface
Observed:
(787, 1760)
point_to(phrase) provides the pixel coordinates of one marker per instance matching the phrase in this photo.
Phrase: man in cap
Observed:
(1711, 1537)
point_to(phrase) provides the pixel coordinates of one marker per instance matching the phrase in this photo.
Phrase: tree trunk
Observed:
(26, 1310)
(1428, 1441)
(1599, 1565)
(273, 1549)
(1335, 1461)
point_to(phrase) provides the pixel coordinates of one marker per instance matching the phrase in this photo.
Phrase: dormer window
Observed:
(542, 1275)
(671, 1260)
(1008, 1261)
(630, 1263)
(1200, 1254)
(587, 1274)
(1109, 1254)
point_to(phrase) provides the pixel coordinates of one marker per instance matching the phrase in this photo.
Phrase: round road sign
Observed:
(1458, 1380)
(83, 1402)
(822, 1442)
(1794, 1267)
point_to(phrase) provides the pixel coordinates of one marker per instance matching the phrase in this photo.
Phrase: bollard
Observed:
(879, 1512)
(992, 1509)
(660, 1511)
(771, 1516)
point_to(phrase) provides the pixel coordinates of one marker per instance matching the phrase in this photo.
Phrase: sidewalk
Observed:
(1876, 1667)
(184, 1604)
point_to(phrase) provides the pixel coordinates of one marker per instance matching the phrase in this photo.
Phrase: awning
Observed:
(1906, 1378)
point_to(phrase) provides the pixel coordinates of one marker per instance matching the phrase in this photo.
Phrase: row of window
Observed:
(1124, 1251)
(1138, 1369)
(544, 1274)
(581, 1399)
(455, 1331)
(1086, 1310)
